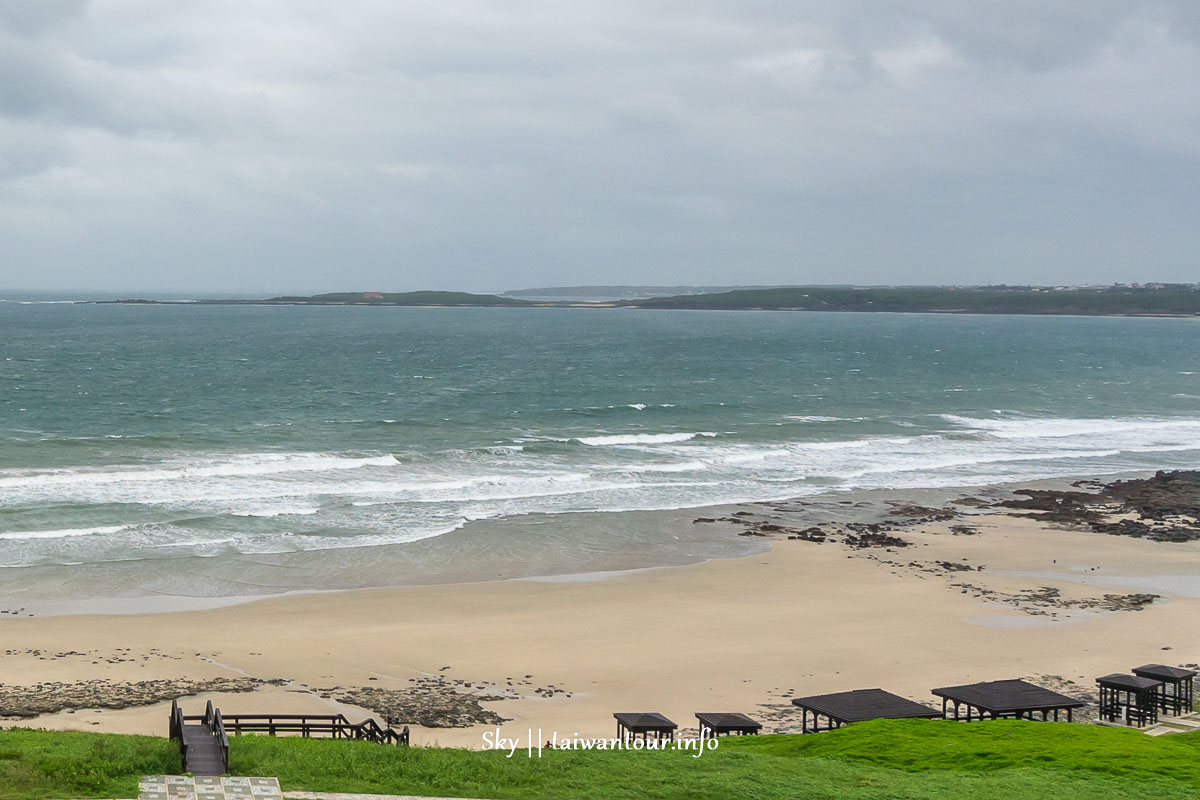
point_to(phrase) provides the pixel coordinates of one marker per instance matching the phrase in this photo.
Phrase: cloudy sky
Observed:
(307, 145)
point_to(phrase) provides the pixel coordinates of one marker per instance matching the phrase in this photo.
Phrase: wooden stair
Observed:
(202, 753)
(203, 743)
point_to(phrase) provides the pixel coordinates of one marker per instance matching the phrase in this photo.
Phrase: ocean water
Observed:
(217, 450)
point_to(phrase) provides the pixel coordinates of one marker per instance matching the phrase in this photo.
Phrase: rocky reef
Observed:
(50, 698)
(432, 704)
(1163, 508)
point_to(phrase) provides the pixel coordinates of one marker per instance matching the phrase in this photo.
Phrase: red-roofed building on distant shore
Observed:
(372, 296)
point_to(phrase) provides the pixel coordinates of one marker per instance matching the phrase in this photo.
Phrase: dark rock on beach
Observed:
(923, 513)
(870, 538)
(1127, 602)
(971, 502)
(1043, 600)
(813, 534)
(50, 698)
(856, 535)
(1164, 508)
(431, 703)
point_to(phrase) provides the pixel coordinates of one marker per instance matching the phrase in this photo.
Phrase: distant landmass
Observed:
(1154, 300)
(1116, 300)
(403, 299)
(622, 292)
(352, 298)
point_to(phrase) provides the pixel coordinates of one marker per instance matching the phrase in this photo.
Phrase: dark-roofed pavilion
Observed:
(1012, 699)
(1176, 694)
(1129, 699)
(629, 725)
(858, 705)
(718, 724)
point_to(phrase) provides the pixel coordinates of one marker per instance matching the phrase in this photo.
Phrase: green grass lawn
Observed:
(887, 759)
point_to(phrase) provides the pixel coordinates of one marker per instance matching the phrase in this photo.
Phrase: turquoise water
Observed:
(255, 435)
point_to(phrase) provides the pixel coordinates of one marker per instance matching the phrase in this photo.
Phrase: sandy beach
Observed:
(987, 594)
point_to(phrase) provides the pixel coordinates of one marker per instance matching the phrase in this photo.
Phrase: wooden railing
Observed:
(213, 723)
(176, 729)
(210, 724)
(309, 725)
(212, 718)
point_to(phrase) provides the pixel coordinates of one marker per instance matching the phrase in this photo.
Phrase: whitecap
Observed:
(244, 465)
(285, 511)
(640, 438)
(1057, 427)
(65, 533)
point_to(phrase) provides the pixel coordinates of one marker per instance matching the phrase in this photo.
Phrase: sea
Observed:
(170, 455)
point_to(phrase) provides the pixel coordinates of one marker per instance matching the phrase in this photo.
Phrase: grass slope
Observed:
(42, 764)
(888, 759)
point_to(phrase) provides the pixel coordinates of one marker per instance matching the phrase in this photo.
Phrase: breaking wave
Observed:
(206, 504)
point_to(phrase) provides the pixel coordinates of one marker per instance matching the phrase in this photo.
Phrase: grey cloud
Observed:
(55, 85)
(309, 145)
(36, 17)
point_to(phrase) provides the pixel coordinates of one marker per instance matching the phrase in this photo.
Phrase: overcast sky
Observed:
(308, 145)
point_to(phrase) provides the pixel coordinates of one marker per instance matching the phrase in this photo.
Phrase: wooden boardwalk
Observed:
(204, 740)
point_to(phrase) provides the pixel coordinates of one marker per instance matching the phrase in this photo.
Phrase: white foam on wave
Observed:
(682, 466)
(203, 543)
(307, 543)
(286, 511)
(64, 534)
(436, 492)
(1058, 427)
(620, 439)
(237, 466)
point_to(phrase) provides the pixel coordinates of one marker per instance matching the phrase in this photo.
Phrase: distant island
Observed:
(348, 299)
(1151, 300)
(1116, 300)
(622, 292)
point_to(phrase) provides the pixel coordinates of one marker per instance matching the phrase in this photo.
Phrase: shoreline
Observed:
(859, 505)
(745, 634)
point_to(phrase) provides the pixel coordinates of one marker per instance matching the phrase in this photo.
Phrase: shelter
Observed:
(858, 705)
(629, 725)
(718, 724)
(1129, 699)
(1176, 695)
(1013, 699)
